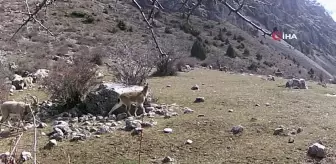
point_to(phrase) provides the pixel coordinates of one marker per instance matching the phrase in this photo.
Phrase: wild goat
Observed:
(28, 81)
(17, 109)
(128, 98)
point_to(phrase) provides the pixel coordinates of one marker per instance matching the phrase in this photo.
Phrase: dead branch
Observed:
(15, 145)
(35, 135)
(150, 27)
(152, 10)
(199, 2)
(31, 17)
(243, 17)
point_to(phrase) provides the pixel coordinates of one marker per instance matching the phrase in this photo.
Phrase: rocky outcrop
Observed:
(101, 100)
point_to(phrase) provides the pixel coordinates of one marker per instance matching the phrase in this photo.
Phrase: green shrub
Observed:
(199, 50)
(230, 52)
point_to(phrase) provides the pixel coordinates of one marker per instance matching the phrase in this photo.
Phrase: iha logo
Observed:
(277, 35)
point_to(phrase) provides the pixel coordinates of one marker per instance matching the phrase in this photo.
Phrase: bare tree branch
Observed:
(150, 27)
(32, 17)
(243, 17)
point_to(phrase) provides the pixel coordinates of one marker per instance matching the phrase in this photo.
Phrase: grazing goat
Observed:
(128, 98)
(17, 109)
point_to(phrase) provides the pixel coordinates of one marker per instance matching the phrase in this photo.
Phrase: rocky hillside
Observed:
(103, 27)
(313, 26)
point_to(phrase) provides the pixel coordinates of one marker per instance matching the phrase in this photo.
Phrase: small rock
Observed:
(278, 131)
(100, 118)
(201, 115)
(43, 134)
(121, 116)
(167, 130)
(230, 110)
(195, 87)
(317, 150)
(168, 86)
(25, 156)
(267, 104)
(74, 120)
(237, 129)
(112, 117)
(199, 99)
(299, 130)
(167, 159)
(149, 109)
(52, 142)
(189, 142)
(187, 110)
(291, 140)
(257, 105)
(42, 125)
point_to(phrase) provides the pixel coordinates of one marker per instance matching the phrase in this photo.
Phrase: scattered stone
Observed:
(267, 104)
(254, 119)
(257, 105)
(199, 99)
(187, 110)
(121, 116)
(167, 130)
(291, 140)
(137, 131)
(195, 87)
(230, 111)
(167, 159)
(317, 150)
(52, 142)
(189, 142)
(168, 86)
(237, 129)
(278, 131)
(25, 156)
(42, 125)
(299, 130)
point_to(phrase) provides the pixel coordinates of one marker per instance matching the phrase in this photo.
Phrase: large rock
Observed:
(296, 84)
(101, 100)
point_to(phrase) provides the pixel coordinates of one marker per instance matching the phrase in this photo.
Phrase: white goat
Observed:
(28, 81)
(16, 109)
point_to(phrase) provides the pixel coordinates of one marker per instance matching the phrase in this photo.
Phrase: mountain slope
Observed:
(87, 27)
(311, 23)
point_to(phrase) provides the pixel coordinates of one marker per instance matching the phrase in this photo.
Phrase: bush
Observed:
(240, 38)
(168, 30)
(187, 28)
(269, 64)
(230, 52)
(88, 19)
(69, 84)
(259, 57)
(253, 67)
(199, 50)
(122, 25)
(167, 65)
(130, 67)
(78, 14)
(246, 52)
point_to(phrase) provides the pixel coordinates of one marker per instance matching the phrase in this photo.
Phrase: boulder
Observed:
(103, 97)
(296, 84)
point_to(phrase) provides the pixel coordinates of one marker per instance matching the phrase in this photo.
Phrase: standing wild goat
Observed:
(128, 98)
(17, 109)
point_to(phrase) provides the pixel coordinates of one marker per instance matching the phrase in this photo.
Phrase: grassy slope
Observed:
(213, 143)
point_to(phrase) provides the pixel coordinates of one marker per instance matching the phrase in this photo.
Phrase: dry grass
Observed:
(213, 143)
